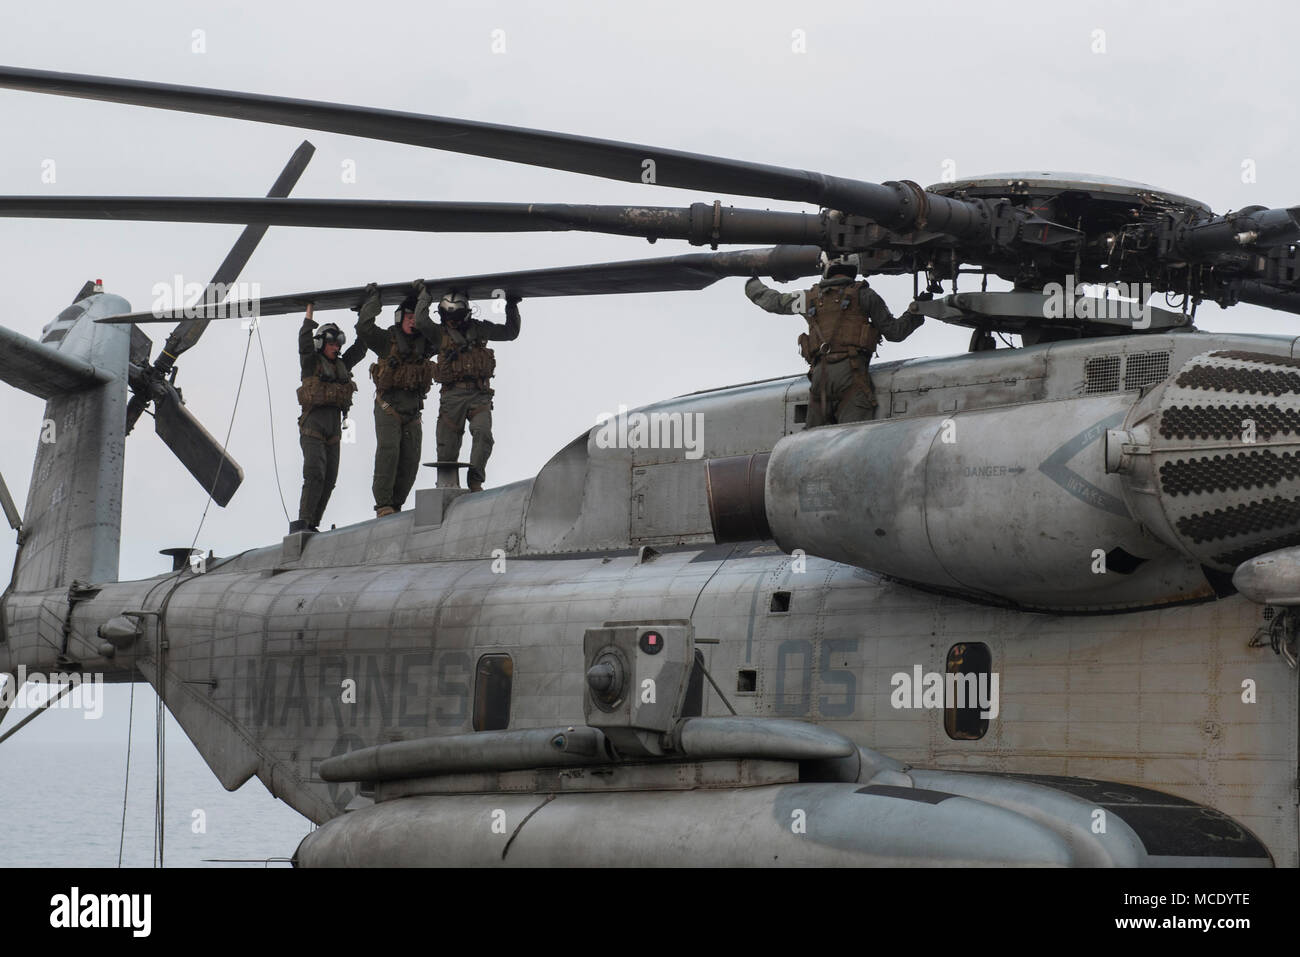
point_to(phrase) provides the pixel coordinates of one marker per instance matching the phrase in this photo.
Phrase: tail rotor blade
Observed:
(198, 451)
(185, 335)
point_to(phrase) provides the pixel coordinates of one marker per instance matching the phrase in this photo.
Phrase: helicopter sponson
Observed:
(738, 791)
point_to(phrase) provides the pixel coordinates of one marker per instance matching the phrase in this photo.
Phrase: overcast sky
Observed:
(1179, 95)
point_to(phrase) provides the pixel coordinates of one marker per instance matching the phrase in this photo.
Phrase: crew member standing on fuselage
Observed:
(846, 320)
(325, 396)
(402, 377)
(465, 368)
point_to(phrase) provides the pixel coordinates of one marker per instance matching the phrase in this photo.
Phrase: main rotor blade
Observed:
(185, 335)
(198, 451)
(668, 274)
(896, 205)
(1260, 294)
(700, 223)
(1254, 227)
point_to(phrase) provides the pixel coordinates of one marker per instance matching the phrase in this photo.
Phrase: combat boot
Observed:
(475, 485)
(383, 510)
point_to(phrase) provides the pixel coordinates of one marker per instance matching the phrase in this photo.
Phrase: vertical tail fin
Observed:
(72, 522)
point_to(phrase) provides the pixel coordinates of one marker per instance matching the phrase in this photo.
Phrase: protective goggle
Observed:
(330, 336)
(453, 305)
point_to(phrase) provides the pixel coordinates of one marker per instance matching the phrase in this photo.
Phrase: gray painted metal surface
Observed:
(72, 521)
(1050, 182)
(250, 655)
(44, 369)
(977, 529)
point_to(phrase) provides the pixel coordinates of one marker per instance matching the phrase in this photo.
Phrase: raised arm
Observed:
(306, 346)
(503, 331)
(354, 353)
(374, 337)
(765, 297)
(894, 328)
(423, 323)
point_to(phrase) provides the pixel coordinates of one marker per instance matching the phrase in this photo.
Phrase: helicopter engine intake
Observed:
(1211, 462)
(1086, 503)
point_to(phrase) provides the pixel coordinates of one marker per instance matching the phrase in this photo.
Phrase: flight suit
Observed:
(402, 377)
(846, 319)
(325, 396)
(465, 368)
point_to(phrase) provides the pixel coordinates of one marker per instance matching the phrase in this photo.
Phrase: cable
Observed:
(229, 429)
(160, 780)
(130, 721)
(271, 412)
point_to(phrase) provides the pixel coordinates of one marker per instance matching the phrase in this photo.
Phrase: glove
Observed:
(371, 307)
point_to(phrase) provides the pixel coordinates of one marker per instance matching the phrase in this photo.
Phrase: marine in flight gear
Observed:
(402, 377)
(846, 320)
(465, 368)
(325, 396)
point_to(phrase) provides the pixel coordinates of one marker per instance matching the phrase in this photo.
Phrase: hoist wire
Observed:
(275, 461)
(248, 345)
(130, 722)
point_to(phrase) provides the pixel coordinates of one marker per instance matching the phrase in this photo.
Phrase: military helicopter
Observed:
(1036, 612)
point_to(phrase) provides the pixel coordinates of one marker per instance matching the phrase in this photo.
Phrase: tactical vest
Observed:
(409, 372)
(467, 360)
(331, 386)
(837, 325)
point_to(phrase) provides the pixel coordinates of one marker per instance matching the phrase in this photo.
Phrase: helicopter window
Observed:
(493, 680)
(800, 412)
(780, 602)
(971, 662)
(747, 681)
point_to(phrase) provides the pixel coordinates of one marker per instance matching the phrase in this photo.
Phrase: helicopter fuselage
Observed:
(401, 628)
